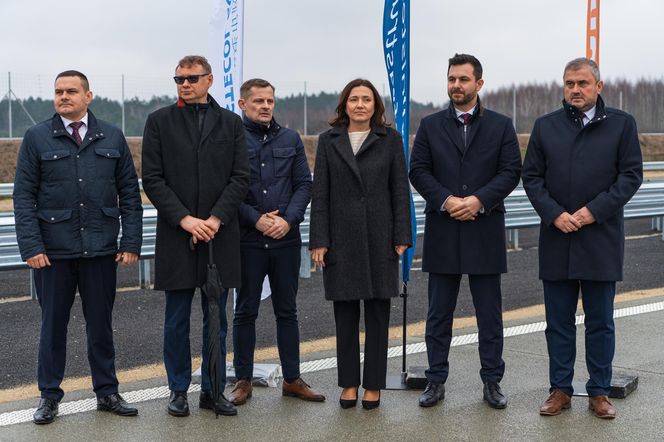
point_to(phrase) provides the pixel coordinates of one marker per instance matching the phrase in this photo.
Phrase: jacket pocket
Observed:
(56, 230)
(283, 161)
(55, 164)
(106, 161)
(110, 227)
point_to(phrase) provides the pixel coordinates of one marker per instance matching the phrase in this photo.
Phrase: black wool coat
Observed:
(360, 210)
(488, 168)
(569, 166)
(189, 172)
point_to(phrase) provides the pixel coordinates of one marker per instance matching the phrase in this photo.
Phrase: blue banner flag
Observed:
(396, 46)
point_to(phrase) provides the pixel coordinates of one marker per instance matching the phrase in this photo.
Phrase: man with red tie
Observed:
(465, 161)
(75, 184)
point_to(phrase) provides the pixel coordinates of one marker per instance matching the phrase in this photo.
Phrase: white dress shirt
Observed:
(82, 130)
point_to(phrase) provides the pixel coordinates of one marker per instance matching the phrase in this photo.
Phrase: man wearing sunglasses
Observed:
(196, 173)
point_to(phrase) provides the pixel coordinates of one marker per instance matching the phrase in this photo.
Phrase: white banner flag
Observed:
(226, 47)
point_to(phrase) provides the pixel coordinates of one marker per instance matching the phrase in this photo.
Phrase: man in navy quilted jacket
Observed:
(75, 184)
(270, 215)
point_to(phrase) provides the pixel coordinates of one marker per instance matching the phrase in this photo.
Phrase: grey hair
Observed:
(581, 62)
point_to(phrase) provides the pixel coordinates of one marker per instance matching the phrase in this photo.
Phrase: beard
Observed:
(463, 100)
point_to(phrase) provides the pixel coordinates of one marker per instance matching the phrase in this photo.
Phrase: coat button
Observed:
(464, 187)
(262, 164)
(85, 253)
(264, 191)
(266, 246)
(80, 179)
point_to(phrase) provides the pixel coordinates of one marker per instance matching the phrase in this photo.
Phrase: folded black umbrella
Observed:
(212, 289)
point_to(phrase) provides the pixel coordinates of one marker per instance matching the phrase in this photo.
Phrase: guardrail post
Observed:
(513, 238)
(305, 263)
(144, 276)
(33, 288)
(658, 223)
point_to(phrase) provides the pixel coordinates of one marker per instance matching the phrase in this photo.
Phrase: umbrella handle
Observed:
(210, 253)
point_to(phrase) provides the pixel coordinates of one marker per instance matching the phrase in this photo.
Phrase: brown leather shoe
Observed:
(241, 392)
(601, 407)
(300, 389)
(555, 404)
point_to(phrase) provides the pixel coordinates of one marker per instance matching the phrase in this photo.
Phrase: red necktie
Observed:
(76, 125)
(466, 118)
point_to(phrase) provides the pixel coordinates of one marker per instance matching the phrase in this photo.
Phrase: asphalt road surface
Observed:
(138, 314)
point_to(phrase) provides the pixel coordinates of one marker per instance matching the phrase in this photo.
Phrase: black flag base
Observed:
(621, 386)
(413, 379)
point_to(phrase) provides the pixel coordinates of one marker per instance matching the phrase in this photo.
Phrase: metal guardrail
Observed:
(648, 202)
(6, 189)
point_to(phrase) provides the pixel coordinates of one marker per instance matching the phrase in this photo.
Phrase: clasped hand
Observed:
(201, 229)
(463, 209)
(273, 225)
(567, 223)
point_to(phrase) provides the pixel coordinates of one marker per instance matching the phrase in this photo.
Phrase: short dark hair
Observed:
(460, 59)
(245, 89)
(581, 62)
(342, 119)
(189, 60)
(72, 73)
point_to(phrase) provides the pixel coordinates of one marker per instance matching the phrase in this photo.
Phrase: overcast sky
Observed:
(323, 42)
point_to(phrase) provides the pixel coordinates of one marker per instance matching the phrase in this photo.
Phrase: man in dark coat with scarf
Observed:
(465, 162)
(583, 164)
(270, 218)
(196, 174)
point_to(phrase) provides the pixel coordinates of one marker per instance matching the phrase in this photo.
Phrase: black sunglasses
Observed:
(190, 78)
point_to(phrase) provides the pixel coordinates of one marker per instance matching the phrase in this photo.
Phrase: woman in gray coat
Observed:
(360, 225)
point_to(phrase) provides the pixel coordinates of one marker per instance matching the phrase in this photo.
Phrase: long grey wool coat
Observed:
(360, 210)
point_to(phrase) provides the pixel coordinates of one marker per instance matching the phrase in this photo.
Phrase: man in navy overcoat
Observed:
(583, 164)
(465, 161)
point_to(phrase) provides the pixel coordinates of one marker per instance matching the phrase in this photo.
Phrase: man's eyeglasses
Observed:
(190, 78)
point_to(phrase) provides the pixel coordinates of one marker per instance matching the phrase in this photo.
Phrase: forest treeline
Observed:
(643, 98)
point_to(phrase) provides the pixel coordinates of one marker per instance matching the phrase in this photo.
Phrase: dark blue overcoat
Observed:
(488, 168)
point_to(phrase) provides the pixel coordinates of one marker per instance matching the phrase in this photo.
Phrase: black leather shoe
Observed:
(178, 405)
(494, 396)
(432, 394)
(223, 406)
(370, 405)
(116, 404)
(46, 411)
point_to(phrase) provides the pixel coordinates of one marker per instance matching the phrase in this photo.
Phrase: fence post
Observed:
(305, 108)
(123, 105)
(9, 100)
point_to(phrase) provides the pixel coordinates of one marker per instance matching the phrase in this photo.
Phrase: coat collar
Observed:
(261, 129)
(191, 118)
(341, 143)
(574, 114)
(452, 125)
(94, 131)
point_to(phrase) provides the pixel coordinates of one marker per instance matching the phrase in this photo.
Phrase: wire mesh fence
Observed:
(306, 106)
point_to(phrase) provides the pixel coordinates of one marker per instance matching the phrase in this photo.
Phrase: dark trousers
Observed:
(177, 350)
(56, 287)
(487, 299)
(560, 301)
(282, 266)
(376, 322)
